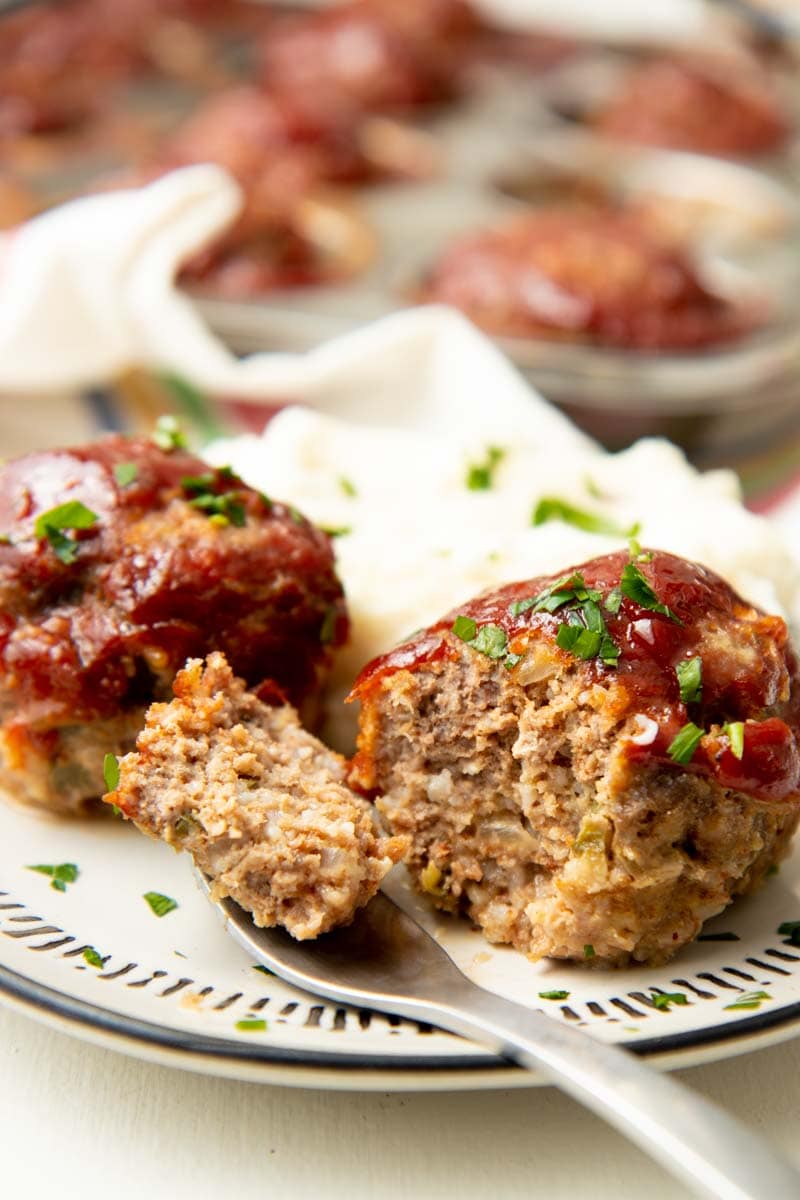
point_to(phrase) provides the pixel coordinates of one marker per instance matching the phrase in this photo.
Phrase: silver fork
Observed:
(386, 961)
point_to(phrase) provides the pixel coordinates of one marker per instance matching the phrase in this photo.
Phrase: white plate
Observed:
(173, 988)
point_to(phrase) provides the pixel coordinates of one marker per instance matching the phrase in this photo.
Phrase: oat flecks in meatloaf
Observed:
(260, 804)
(538, 788)
(156, 576)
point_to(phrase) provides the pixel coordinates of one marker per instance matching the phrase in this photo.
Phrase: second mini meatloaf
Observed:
(119, 560)
(260, 804)
(592, 765)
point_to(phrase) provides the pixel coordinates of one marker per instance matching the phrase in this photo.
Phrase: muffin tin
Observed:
(506, 145)
(500, 152)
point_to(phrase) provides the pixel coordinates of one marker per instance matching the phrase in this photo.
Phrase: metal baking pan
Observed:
(507, 145)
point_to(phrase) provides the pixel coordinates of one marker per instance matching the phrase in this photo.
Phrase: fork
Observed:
(386, 960)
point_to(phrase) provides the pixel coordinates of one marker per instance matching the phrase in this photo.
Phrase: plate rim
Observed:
(267, 1063)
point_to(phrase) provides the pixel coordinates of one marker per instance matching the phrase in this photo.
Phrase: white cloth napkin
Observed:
(88, 290)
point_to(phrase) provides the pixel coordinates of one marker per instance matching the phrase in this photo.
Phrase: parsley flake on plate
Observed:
(252, 1025)
(348, 487)
(748, 1000)
(160, 904)
(663, 1001)
(92, 957)
(791, 931)
(60, 874)
(550, 508)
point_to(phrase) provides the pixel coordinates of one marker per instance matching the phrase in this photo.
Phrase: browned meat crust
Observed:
(540, 793)
(258, 802)
(704, 105)
(86, 645)
(591, 274)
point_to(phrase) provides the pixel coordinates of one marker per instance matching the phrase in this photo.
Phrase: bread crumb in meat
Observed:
(596, 799)
(258, 802)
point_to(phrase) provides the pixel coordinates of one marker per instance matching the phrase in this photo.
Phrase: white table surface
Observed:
(77, 1121)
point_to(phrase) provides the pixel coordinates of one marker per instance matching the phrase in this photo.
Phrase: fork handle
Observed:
(693, 1139)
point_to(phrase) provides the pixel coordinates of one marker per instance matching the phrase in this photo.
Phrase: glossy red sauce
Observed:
(594, 274)
(750, 672)
(154, 581)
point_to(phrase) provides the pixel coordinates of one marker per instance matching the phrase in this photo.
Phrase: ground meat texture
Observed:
(260, 804)
(590, 274)
(706, 106)
(538, 789)
(86, 645)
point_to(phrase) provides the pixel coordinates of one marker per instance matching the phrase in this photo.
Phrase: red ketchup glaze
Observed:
(154, 581)
(749, 668)
(597, 274)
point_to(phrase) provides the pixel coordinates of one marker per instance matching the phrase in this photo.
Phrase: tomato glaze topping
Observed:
(749, 670)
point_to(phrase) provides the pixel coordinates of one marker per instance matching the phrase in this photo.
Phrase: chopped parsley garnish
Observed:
(565, 591)
(480, 476)
(252, 1025)
(635, 550)
(588, 951)
(664, 1000)
(734, 732)
(328, 628)
(168, 434)
(51, 524)
(60, 875)
(690, 679)
(488, 639)
(748, 1000)
(550, 508)
(335, 531)
(126, 473)
(584, 634)
(92, 957)
(491, 640)
(791, 931)
(160, 904)
(111, 772)
(465, 628)
(683, 745)
(556, 994)
(347, 486)
(634, 585)
(296, 515)
(223, 508)
(613, 601)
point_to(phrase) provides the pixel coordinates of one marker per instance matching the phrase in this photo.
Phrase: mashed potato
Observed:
(416, 540)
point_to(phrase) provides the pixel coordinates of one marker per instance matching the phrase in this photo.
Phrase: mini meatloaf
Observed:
(593, 765)
(369, 56)
(709, 106)
(593, 275)
(260, 804)
(118, 560)
(280, 150)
